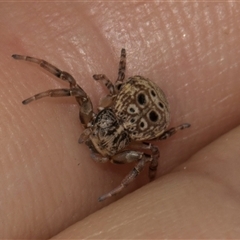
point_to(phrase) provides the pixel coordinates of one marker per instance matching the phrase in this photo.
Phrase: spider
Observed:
(134, 112)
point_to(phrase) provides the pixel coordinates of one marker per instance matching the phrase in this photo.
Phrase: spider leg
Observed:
(106, 82)
(126, 157)
(121, 71)
(63, 92)
(86, 110)
(113, 89)
(172, 131)
(143, 146)
(108, 99)
(122, 67)
(49, 67)
(155, 156)
(98, 157)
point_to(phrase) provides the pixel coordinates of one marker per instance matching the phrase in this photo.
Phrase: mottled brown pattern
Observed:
(134, 111)
(143, 109)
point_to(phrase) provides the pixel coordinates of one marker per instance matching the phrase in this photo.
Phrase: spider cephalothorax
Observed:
(134, 112)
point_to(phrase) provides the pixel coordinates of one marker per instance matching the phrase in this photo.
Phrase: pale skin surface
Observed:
(49, 182)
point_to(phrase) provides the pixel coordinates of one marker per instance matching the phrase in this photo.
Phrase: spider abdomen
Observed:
(142, 108)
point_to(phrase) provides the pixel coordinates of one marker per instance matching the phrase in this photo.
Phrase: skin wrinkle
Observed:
(115, 228)
(110, 230)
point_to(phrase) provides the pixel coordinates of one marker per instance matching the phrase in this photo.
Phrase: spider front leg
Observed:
(86, 110)
(49, 67)
(63, 92)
